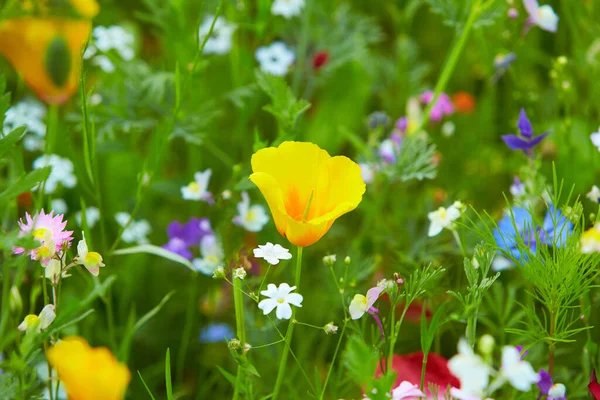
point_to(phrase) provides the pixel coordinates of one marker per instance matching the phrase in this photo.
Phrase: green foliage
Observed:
(415, 160)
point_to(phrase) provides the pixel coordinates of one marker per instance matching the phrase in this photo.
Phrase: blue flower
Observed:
(507, 232)
(215, 333)
(557, 228)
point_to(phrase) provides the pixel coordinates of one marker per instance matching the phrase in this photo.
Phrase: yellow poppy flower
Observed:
(46, 52)
(306, 188)
(88, 373)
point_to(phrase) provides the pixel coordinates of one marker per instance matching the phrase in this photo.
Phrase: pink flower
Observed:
(407, 391)
(443, 105)
(49, 231)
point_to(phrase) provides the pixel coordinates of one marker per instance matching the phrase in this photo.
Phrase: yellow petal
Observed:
(306, 189)
(46, 52)
(86, 8)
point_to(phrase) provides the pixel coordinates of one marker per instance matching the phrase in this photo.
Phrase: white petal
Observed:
(267, 305)
(358, 306)
(271, 291)
(294, 299)
(284, 311)
(46, 316)
(434, 229)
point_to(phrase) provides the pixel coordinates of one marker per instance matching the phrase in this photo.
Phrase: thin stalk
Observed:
(472, 328)
(337, 348)
(238, 301)
(552, 345)
(187, 328)
(423, 369)
(452, 61)
(394, 336)
(290, 330)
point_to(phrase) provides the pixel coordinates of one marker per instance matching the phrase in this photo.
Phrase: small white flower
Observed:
(198, 189)
(104, 63)
(272, 253)
(594, 194)
(543, 16)
(95, 99)
(136, 232)
(52, 271)
(239, 273)
(443, 218)
(448, 128)
(330, 328)
(59, 206)
(91, 260)
(287, 8)
(329, 260)
(407, 390)
(28, 112)
(221, 38)
(500, 263)
(212, 256)
(219, 273)
(39, 322)
(557, 392)
(61, 172)
(367, 172)
(250, 217)
(595, 138)
(275, 59)
(361, 304)
(472, 372)
(114, 38)
(518, 373)
(92, 216)
(280, 298)
(226, 195)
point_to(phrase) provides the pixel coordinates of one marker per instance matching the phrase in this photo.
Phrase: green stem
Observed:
(302, 48)
(394, 335)
(423, 369)
(472, 328)
(452, 61)
(290, 332)
(187, 328)
(238, 302)
(552, 343)
(337, 348)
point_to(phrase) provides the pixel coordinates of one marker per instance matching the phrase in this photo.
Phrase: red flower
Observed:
(320, 59)
(594, 386)
(464, 102)
(408, 368)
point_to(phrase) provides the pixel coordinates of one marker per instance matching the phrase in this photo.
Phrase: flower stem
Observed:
(238, 301)
(337, 348)
(472, 328)
(423, 369)
(290, 331)
(452, 61)
(394, 335)
(552, 345)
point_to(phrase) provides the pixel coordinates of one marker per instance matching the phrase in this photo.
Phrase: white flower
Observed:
(448, 128)
(367, 172)
(39, 322)
(272, 253)
(406, 390)
(472, 372)
(275, 59)
(104, 63)
(594, 194)
(518, 373)
(92, 216)
(251, 218)
(226, 195)
(330, 328)
(136, 232)
(198, 189)
(239, 273)
(557, 392)
(61, 172)
(595, 138)
(287, 8)
(330, 259)
(280, 298)
(221, 38)
(212, 255)
(91, 260)
(219, 273)
(500, 263)
(59, 206)
(29, 113)
(52, 271)
(543, 16)
(361, 304)
(114, 38)
(443, 218)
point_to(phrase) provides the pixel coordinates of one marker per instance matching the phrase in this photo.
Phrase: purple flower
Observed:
(548, 388)
(521, 352)
(544, 382)
(402, 124)
(184, 236)
(443, 105)
(526, 141)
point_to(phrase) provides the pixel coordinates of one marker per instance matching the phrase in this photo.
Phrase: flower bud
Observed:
(347, 260)
(329, 260)
(486, 344)
(330, 328)
(16, 303)
(219, 273)
(234, 344)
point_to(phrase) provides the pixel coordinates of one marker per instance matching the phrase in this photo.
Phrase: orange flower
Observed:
(464, 102)
(306, 188)
(46, 49)
(88, 373)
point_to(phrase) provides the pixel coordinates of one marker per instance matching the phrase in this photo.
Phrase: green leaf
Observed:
(8, 141)
(25, 184)
(168, 375)
(227, 375)
(157, 251)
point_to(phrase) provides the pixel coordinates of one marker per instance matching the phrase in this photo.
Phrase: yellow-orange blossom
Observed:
(297, 175)
(88, 373)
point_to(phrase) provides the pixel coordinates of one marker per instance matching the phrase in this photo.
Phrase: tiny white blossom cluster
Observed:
(106, 39)
(30, 113)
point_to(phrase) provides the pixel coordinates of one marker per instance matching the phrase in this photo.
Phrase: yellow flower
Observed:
(47, 53)
(306, 188)
(86, 8)
(88, 373)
